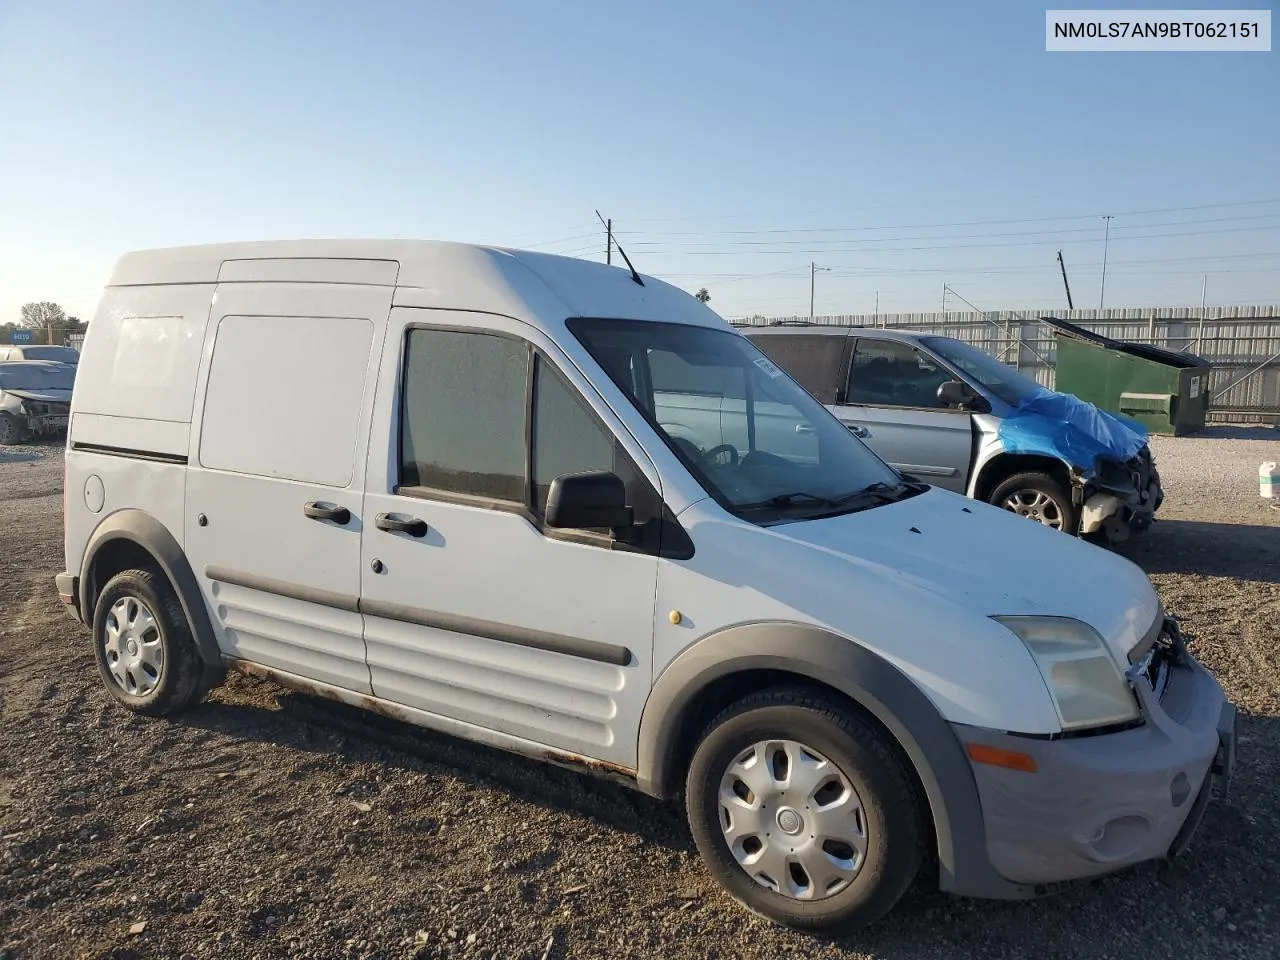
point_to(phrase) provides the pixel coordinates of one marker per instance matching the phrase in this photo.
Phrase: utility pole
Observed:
(1102, 292)
(813, 271)
(1070, 305)
(608, 238)
(1204, 284)
(877, 320)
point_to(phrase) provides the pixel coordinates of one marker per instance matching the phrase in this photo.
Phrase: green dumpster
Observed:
(1167, 392)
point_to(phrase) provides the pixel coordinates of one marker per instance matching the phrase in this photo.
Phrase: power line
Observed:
(965, 236)
(923, 226)
(947, 246)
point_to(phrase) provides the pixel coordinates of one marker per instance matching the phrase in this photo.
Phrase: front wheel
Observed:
(804, 812)
(1039, 497)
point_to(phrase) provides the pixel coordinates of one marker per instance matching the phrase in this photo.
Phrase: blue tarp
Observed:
(1064, 426)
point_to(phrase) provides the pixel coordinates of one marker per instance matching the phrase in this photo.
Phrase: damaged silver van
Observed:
(944, 411)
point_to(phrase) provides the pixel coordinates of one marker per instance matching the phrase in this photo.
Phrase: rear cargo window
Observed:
(463, 414)
(275, 407)
(815, 361)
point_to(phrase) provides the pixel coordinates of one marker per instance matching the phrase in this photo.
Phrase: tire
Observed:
(161, 674)
(1043, 499)
(11, 430)
(885, 816)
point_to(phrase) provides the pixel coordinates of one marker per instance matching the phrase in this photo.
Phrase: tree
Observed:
(40, 315)
(48, 321)
(701, 295)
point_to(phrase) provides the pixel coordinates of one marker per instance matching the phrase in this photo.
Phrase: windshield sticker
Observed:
(764, 364)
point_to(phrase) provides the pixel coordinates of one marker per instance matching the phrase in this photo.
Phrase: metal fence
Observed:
(1242, 343)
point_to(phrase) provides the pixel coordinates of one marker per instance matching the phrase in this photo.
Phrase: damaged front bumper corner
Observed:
(1120, 511)
(1099, 803)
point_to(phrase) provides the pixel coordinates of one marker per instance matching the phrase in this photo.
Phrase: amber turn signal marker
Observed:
(994, 756)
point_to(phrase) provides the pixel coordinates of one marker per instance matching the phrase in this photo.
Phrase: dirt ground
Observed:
(269, 824)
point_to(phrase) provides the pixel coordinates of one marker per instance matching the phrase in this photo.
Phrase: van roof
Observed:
(835, 330)
(429, 273)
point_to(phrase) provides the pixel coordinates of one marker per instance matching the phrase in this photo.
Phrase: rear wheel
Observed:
(11, 430)
(1039, 497)
(144, 647)
(804, 812)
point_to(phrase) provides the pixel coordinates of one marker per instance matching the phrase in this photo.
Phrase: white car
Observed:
(35, 398)
(455, 484)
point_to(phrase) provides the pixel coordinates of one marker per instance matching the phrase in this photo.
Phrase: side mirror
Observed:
(956, 393)
(584, 500)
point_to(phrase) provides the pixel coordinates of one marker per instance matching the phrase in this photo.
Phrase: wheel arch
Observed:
(130, 538)
(789, 652)
(1004, 465)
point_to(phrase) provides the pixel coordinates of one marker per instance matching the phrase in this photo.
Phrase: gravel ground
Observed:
(269, 824)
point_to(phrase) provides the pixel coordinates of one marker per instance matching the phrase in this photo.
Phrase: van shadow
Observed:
(1211, 549)
(1129, 914)
(315, 725)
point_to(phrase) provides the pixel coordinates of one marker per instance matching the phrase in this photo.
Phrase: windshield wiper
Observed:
(798, 498)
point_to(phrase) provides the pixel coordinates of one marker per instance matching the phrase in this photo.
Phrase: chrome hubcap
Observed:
(792, 820)
(135, 656)
(1035, 505)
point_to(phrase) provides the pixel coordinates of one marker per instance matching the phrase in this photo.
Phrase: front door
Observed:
(892, 405)
(275, 478)
(475, 610)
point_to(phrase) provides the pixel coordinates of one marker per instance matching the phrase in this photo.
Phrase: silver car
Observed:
(953, 416)
(35, 398)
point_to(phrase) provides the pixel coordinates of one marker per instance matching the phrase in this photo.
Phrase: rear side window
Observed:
(273, 409)
(816, 362)
(462, 426)
(891, 373)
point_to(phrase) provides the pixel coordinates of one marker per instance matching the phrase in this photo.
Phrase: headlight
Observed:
(1083, 678)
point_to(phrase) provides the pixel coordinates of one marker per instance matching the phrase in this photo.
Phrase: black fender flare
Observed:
(154, 537)
(928, 740)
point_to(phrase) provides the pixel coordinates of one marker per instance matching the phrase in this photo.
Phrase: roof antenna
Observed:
(609, 227)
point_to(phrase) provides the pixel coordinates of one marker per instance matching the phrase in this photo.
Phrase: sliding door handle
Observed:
(327, 511)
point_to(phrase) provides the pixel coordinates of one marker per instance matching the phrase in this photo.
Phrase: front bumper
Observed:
(1122, 513)
(1099, 803)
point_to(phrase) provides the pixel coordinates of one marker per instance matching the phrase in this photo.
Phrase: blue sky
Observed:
(902, 145)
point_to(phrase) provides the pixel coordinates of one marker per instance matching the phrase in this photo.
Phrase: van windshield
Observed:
(999, 378)
(756, 441)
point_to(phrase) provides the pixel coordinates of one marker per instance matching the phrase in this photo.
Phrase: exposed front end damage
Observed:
(1118, 499)
(41, 417)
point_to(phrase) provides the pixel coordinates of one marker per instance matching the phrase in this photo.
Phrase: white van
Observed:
(454, 484)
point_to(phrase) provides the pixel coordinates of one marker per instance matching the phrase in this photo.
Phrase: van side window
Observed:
(462, 414)
(895, 374)
(567, 438)
(815, 361)
(273, 410)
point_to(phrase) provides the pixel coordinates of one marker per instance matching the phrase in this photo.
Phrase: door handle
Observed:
(804, 429)
(327, 511)
(410, 525)
(858, 430)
